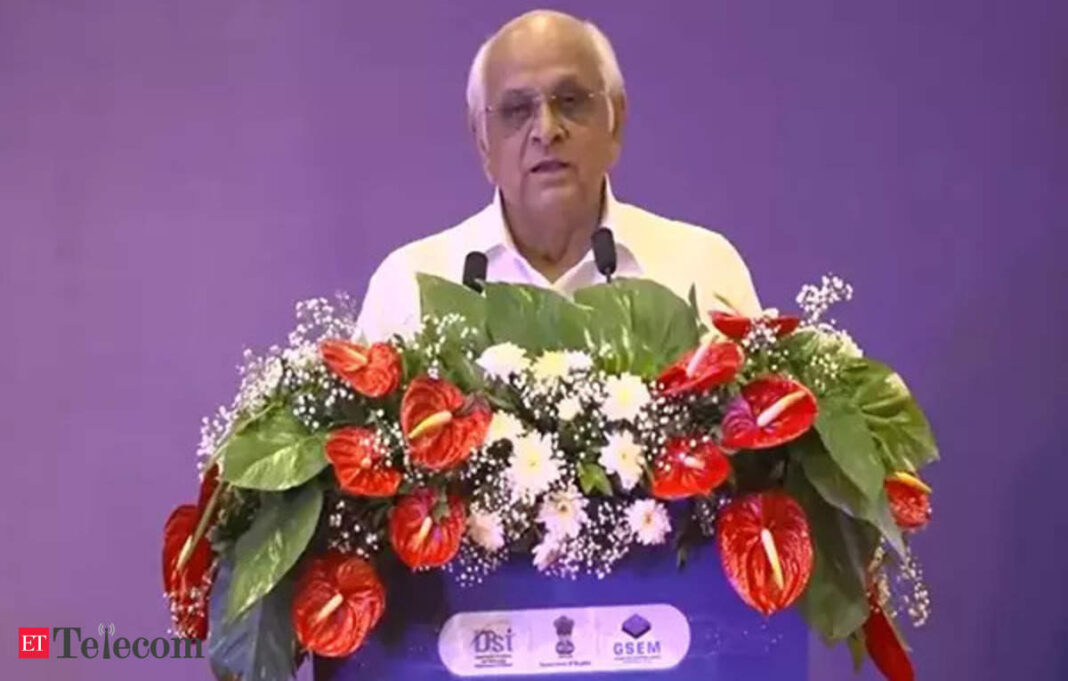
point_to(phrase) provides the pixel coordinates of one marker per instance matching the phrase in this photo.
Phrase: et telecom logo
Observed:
(34, 644)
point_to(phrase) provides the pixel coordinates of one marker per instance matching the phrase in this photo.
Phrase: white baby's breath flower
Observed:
(551, 365)
(546, 552)
(563, 513)
(623, 456)
(578, 361)
(649, 521)
(259, 384)
(532, 467)
(503, 426)
(849, 346)
(502, 360)
(486, 530)
(626, 396)
(568, 408)
(302, 356)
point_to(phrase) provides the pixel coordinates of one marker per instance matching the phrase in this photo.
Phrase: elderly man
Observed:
(547, 109)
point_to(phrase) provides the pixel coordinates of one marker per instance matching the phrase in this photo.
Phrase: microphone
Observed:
(604, 252)
(475, 270)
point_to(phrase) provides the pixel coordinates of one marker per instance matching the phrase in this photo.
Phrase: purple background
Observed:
(174, 175)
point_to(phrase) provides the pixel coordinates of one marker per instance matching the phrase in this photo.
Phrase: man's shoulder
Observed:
(684, 237)
(679, 255)
(435, 253)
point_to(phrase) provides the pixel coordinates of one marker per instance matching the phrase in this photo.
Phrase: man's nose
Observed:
(547, 127)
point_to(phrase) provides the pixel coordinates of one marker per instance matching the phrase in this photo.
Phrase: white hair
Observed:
(607, 64)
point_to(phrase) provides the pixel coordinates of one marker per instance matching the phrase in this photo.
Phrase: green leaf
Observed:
(897, 424)
(259, 644)
(439, 297)
(273, 452)
(593, 477)
(278, 536)
(535, 318)
(827, 477)
(845, 434)
(644, 321)
(857, 649)
(610, 325)
(835, 602)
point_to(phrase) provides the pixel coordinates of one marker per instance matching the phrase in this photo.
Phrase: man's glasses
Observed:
(517, 107)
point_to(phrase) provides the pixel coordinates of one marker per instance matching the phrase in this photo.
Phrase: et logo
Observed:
(33, 643)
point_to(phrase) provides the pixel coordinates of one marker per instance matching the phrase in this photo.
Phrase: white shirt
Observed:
(672, 253)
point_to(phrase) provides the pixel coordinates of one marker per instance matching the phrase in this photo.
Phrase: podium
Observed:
(555, 620)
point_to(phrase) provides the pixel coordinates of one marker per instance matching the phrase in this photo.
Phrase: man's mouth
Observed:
(549, 166)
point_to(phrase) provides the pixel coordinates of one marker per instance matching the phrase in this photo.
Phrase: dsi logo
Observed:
(490, 641)
(493, 644)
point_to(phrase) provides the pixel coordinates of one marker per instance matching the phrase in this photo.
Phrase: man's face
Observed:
(548, 143)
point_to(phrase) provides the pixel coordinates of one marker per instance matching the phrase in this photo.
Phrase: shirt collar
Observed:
(490, 230)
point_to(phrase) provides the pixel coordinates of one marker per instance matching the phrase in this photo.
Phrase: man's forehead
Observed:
(541, 56)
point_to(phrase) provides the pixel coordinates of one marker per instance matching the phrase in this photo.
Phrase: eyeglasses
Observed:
(517, 107)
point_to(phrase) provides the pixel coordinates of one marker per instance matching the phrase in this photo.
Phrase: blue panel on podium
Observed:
(728, 640)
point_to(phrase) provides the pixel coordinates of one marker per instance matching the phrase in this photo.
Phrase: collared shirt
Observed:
(675, 254)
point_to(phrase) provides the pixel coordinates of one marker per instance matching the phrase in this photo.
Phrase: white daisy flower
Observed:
(551, 365)
(503, 360)
(563, 513)
(623, 456)
(578, 360)
(503, 426)
(627, 395)
(546, 552)
(486, 530)
(532, 467)
(568, 408)
(649, 521)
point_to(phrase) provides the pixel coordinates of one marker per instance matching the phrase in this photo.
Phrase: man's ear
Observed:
(481, 144)
(619, 102)
(619, 119)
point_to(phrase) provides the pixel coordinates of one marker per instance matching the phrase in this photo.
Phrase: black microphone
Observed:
(604, 252)
(475, 270)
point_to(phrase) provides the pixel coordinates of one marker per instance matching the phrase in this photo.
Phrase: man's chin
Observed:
(561, 197)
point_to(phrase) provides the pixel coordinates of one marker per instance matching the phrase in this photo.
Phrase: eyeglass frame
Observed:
(551, 100)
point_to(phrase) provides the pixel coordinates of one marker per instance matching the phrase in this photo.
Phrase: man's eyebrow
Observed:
(570, 80)
(517, 91)
(567, 80)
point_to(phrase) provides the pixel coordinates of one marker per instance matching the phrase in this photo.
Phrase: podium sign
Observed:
(648, 619)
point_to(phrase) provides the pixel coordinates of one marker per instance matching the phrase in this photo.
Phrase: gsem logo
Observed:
(638, 647)
(34, 644)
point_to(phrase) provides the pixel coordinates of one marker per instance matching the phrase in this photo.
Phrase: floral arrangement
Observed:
(517, 421)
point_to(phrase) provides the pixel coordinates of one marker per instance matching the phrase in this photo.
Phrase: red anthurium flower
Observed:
(442, 426)
(702, 368)
(188, 568)
(359, 463)
(737, 327)
(208, 485)
(910, 500)
(885, 646)
(688, 467)
(338, 600)
(372, 372)
(425, 528)
(770, 411)
(766, 549)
